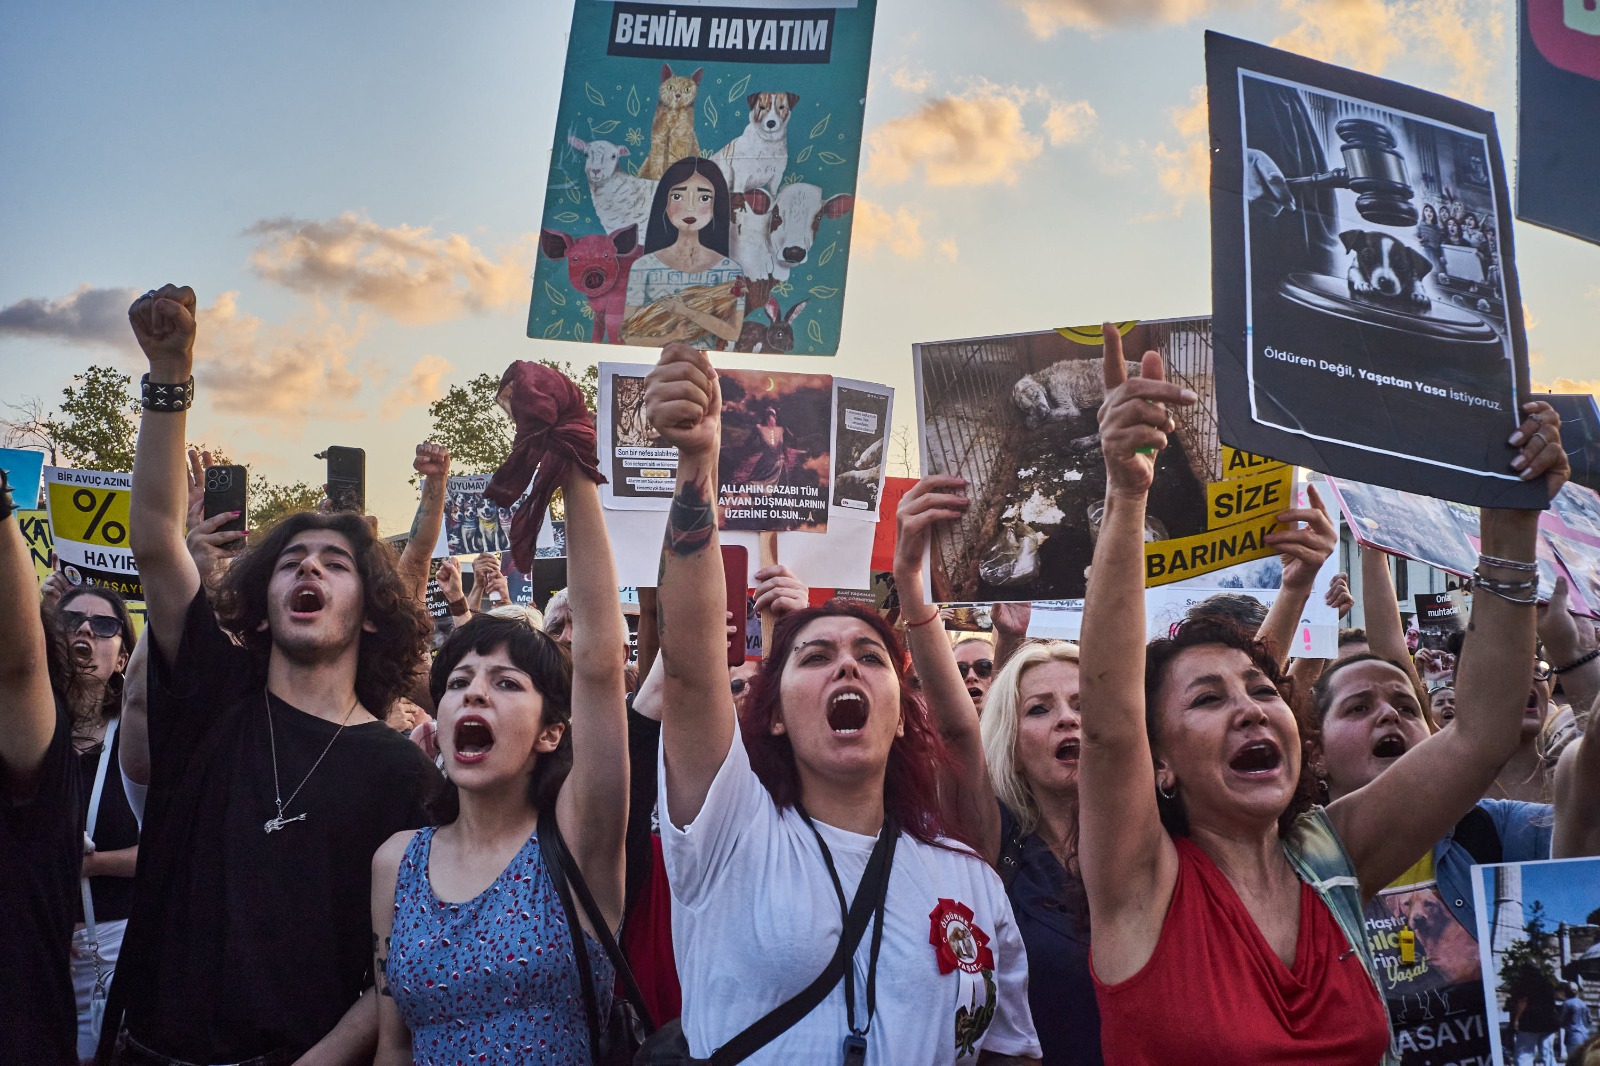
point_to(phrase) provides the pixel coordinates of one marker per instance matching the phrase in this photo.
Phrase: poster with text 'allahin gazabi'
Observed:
(703, 178)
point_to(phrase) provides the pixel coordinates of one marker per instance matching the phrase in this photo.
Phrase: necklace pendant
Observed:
(273, 824)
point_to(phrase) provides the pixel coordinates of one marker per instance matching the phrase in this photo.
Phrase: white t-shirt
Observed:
(755, 919)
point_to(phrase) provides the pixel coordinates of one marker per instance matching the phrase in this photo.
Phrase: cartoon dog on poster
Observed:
(757, 157)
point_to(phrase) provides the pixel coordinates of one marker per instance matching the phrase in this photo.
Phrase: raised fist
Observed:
(164, 325)
(683, 400)
(433, 460)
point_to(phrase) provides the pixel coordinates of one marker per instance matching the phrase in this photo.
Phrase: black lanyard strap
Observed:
(878, 893)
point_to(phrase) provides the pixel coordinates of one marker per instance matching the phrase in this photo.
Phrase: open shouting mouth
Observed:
(1257, 758)
(472, 739)
(847, 713)
(305, 599)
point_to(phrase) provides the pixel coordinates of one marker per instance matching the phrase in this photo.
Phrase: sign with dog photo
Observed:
(703, 179)
(1016, 416)
(1368, 322)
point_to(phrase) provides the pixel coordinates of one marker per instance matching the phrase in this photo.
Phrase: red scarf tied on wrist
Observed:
(554, 431)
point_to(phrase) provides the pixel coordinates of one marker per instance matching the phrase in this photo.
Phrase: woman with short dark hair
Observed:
(474, 950)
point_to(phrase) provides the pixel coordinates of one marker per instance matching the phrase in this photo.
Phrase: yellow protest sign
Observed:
(1239, 500)
(89, 523)
(1173, 560)
(1236, 463)
(35, 526)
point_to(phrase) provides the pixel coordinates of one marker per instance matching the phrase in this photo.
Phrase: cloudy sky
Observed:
(353, 189)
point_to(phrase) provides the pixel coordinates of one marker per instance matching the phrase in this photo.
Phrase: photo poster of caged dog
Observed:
(777, 433)
(1538, 930)
(1367, 313)
(703, 178)
(1558, 110)
(1016, 416)
(862, 417)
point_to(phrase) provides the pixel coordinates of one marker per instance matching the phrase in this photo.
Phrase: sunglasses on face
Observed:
(101, 625)
(983, 668)
(1541, 670)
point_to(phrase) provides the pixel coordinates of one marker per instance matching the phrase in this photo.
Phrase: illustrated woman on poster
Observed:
(685, 287)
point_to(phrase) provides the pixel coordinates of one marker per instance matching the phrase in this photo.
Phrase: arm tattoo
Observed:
(690, 521)
(380, 958)
(432, 500)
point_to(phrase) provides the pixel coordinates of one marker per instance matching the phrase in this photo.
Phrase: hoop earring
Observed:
(1164, 794)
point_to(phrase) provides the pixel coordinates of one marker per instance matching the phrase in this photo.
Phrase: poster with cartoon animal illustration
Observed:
(1015, 416)
(702, 185)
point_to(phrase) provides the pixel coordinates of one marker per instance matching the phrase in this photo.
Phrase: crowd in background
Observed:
(280, 827)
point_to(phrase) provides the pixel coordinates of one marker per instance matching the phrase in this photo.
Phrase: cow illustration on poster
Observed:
(703, 178)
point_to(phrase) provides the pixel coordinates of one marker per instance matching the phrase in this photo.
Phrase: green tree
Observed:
(94, 428)
(468, 421)
(271, 502)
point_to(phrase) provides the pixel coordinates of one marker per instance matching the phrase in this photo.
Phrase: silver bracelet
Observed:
(1507, 564)
(1504, 589)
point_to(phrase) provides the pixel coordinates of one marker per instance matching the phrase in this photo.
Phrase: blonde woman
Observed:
(1031, 739)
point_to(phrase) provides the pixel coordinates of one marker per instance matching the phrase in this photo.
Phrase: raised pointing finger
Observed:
(1116, 371)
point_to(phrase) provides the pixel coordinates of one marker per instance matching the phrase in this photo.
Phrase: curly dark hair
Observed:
(550, 667)
(916, 759)
(1196, 632)
(389, 655)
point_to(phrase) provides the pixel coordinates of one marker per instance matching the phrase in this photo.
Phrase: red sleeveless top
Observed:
(1216, 992)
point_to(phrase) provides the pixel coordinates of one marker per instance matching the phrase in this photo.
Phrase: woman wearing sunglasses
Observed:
(975, 661)
(99, 633)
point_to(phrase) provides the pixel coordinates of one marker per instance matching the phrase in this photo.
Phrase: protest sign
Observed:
(89, 522)
(863, 413)
(473, 524)
(1558, 110)
(35, 526)
(1368, 319)
(1402, 523)
(1580, 434)
(1015, 416)
(1536, 933)
(704, 174)
(776, 445)
(24, 473)
(1439, 615)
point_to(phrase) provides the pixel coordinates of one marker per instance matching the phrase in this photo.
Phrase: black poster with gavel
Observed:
(1367, 321)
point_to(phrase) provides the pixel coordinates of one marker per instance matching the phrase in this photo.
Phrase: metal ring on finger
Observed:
(1540, 434)
(151, 295)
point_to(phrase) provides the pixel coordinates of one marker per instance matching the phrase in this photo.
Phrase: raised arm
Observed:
(1569, 641)
(1130, 866)
(164, 324)
(594, 801)
(684, 405)
(27, 706)
(1386, 636)
(1382, 825)
(1577, 791)
(433, 463)
(133, 747)
(1305, 542)
(969, 792)
(1010, 630)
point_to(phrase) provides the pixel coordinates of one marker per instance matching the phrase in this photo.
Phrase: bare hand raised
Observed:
(1539, 453)
(683, 400)
(934, 499)
(1134, 420)
(1304, 548)
(163, 323)
(433, 460)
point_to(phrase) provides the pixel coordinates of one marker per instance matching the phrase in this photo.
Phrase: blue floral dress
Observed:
(491, 980)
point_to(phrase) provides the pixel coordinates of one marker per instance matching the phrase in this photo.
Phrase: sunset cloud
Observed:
(1069, 123)
(423, 385)
(1048, 17)
(407, 272)
(876, 227)
(1183, 168)
(248, 368)
(86, 315)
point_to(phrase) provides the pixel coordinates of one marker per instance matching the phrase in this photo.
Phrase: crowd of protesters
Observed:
(277, 829)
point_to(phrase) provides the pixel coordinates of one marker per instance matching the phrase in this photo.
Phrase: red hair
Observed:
(916, 759)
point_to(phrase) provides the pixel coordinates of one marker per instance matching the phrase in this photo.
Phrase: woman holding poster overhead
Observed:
(1200, 845)
(685, 287)
(809, 866)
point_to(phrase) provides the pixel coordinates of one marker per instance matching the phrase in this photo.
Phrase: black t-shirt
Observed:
(41, 851)
(115, 829)
(244, 942)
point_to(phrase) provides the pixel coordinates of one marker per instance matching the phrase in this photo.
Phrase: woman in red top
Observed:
(1210, 942)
